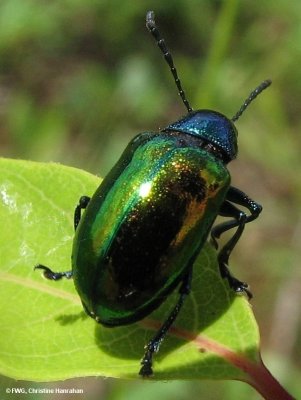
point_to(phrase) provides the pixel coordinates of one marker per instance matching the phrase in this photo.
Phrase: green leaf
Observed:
(51, 338)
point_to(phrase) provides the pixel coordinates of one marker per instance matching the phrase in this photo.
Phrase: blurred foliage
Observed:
(79, 78)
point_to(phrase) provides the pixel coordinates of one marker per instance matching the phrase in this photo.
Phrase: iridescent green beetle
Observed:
(145, 225)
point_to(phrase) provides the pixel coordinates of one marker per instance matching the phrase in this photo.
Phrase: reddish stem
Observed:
(264, 382)
(257, 375)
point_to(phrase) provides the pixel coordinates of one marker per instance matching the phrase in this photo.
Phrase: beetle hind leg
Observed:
(154, 344)
(53, 276)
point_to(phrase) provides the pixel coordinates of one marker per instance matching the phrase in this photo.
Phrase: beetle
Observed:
(137, 238)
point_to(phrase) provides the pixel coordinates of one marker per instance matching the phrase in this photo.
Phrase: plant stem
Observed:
(263, 381)
(255, 372)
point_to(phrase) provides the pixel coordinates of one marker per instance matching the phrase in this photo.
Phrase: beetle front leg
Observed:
(53, 276)
(47, 272)
(154, 344)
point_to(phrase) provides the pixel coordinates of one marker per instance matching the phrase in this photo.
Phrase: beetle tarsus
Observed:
(234, 283)
(82, 205)
(146, 370)
(53, 276)
(240, 287)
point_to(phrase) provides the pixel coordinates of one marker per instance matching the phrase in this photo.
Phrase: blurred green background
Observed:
(79, 78)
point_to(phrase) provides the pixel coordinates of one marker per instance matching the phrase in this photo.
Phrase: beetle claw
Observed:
(240, 287)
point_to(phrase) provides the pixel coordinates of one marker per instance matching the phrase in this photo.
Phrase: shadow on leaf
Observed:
(208, 301)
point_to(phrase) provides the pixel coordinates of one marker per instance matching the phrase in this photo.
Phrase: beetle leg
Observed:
(236, 196)
(82, 204)
(53, 276)
(154, 344)
(228, 209)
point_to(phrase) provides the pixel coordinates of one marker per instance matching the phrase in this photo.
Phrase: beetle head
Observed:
(212, 127)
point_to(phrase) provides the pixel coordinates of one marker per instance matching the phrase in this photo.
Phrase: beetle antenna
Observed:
(151, 26)
(251, 97)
